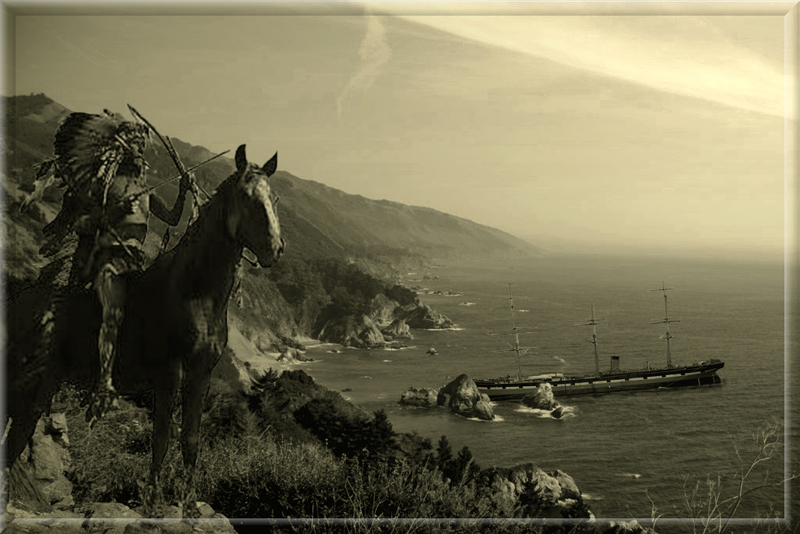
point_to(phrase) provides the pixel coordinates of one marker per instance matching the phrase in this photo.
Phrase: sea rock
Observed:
(483, 409)
(350, 331)
(398, 329)
(542, 398)
(463, 398)
(423, 316)
(431, 351)
(558, 413)
(425, 397)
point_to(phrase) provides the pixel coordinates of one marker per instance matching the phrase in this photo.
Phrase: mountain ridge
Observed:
(320, 220)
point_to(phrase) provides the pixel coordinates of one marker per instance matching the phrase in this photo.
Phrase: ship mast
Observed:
(516, 348)
(666, 322)
(593, 323)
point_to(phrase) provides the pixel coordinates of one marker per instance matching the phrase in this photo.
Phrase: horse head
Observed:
(253, 220)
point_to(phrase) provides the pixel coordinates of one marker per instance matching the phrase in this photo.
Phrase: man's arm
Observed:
(160, 210)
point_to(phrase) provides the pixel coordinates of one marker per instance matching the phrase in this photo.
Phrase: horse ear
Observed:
(270, 166)
(241, 158)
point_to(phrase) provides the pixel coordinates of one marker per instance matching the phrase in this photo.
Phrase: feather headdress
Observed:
(89, 150)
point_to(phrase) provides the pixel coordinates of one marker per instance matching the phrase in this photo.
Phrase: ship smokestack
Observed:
(614, 363)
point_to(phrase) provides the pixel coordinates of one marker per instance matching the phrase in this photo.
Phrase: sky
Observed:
(645, 132)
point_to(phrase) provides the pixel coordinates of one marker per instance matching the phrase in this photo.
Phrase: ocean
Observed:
(626, 451)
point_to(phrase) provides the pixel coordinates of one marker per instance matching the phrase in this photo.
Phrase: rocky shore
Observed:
(388, 324)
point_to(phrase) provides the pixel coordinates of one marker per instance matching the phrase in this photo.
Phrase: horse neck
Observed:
(205, 261)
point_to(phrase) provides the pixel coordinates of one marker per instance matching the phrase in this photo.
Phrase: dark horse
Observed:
(174, 331)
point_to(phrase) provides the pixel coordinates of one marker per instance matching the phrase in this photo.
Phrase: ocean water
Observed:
(625, 451)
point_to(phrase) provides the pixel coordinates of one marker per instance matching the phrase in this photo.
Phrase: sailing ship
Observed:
(615, 379)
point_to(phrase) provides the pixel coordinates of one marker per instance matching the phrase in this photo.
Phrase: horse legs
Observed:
(194, 390)
(165, 395)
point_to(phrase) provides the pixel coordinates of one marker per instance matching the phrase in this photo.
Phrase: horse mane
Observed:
(220, 193)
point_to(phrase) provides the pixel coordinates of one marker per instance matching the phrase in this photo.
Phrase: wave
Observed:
(497, 419)
(559, 359)
(567, 411)
(388, 361)
(466, 304)
(452, 329)
(629, 475)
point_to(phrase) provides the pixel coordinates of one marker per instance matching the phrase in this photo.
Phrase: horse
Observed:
(173, 334)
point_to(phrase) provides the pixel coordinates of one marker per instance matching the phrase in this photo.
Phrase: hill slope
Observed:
(320, 225)
(317, 220)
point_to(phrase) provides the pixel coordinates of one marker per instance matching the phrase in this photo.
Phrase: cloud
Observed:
(374, 53)
(679, 55)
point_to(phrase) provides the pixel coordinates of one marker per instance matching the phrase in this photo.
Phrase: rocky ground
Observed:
(40, 496)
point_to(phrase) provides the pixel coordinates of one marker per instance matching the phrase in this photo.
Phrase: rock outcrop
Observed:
(463, 398)
(426, 397)
(542, 399)
(423, 316)
(44, 461)
(397, 329)
(540, 494)
(381, 309)
(292, 355)
(350, 331)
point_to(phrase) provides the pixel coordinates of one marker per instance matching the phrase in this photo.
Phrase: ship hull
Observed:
(687, 376)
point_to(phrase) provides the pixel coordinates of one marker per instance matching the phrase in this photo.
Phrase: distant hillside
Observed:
(317, 220)
(331, 236)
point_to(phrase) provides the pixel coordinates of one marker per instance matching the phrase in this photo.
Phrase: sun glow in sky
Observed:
(569, 131)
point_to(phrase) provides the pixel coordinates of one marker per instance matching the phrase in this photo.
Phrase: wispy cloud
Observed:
(680, 55)
(374, 53)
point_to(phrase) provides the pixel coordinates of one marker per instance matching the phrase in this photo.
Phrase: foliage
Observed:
(712, 503)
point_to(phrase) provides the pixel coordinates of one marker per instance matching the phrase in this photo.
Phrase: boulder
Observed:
(426, 397)
(483, 409)
(542, 398)
(423, 316)
(431, 351)
(398, 329)
(462, 396)
(48, 458)
(558, 413)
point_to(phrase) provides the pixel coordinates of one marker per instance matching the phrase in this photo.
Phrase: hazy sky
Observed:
(659, 131)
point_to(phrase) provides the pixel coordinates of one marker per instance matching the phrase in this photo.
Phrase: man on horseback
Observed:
(100, 158)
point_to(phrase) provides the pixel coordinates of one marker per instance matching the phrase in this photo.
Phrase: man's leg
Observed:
(111, 292)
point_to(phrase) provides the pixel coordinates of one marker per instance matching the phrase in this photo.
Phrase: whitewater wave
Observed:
(466, 304)
(559, 359)
(568, 411)
(451, 329)
(497, 419)
(629, 475)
